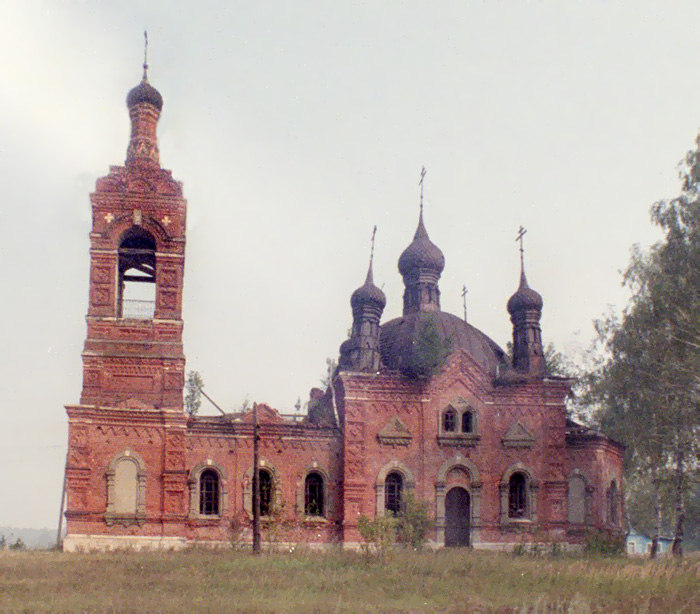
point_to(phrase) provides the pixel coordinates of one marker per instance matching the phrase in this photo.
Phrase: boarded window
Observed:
(313, 495)
(125, 487)
(576, 500)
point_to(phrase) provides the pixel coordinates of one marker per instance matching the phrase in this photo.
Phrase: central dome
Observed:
(399, 337)
(422, 253)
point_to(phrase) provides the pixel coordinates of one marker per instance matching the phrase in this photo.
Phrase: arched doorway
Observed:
(457, 513)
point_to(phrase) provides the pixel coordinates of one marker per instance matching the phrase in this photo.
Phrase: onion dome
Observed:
(422, 253)
(368, 293)
(144, 93)
(525, 298)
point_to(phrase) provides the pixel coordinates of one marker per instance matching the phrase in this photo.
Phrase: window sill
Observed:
(458, 439)
(315, 520)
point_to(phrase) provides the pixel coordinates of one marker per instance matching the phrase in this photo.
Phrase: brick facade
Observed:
(484, 441)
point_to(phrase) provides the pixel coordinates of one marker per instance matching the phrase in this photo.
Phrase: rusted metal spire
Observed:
(464, 300)
(519, 237)
(370, 274)
(145, 55)
(420, 183)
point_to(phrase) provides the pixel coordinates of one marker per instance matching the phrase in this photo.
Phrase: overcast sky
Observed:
(297, 126)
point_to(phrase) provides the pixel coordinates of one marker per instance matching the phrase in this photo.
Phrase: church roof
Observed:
(398, 340)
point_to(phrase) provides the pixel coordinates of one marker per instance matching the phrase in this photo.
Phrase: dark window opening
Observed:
(136, 296)
(449, 421)
(611, 496)
(209, 493)
(313, 495)
(393, 486)
(517, 496)
(467, 425)
(265, 485)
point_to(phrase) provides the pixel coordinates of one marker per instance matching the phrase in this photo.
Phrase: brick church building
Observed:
(483, 438)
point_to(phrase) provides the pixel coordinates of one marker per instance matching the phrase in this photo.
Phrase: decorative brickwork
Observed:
(485, 443)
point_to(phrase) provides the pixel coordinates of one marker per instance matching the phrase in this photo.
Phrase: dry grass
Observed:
(446, 581)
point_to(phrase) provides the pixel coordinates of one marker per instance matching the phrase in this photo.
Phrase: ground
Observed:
(454, 580)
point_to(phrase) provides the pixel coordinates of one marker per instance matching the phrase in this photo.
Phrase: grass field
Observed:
(445, 581)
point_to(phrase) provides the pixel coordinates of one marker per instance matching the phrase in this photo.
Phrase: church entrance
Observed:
(457, 513)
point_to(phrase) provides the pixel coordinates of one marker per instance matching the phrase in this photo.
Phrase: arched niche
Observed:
(126, 489)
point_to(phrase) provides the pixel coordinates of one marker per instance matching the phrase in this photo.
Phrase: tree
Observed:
(430, 351)
(193, 398)
(647, 386)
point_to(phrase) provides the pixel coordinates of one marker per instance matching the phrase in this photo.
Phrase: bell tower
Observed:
(133, 356)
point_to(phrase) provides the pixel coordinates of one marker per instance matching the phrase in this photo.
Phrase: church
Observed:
(424, 405)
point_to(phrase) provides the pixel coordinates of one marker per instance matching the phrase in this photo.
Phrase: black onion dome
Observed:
(399, 337)
(144, 92)
(368, 293)
(422, 253)
(524, 298)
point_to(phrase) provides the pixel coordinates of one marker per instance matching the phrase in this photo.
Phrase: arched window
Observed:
(611, 503)
(313, 495)
(467, 423)
(209, 493)
(265, 479)
(136, 296)
(517, 496)
(393, 487)
(449, 421)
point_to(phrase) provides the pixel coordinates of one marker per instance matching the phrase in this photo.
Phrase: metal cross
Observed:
(464, 300)
(420, 183)
(145, 54)
(371, 251)
(521, 234)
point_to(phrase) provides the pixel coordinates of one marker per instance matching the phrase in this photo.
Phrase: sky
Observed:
(295, 128)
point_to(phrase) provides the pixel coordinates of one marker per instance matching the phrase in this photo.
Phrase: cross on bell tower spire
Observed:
(145, 55)
(423, 172)
(521, 233)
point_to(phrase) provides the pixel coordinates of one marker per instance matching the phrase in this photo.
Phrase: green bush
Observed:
(413, 522)
(604, 544)
(378, 535)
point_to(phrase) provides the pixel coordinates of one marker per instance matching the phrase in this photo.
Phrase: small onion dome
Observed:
(368, 293)
(525, 298)
(422, 253)
(144, 92)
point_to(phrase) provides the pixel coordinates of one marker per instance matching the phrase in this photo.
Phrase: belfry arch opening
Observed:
(136, 296)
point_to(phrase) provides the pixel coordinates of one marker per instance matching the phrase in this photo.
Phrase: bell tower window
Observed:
(136, 296)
